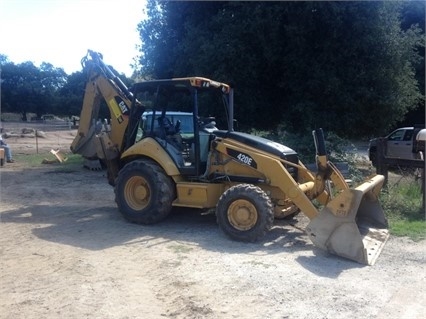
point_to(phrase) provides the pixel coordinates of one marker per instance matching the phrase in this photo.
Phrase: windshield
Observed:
(186, 125)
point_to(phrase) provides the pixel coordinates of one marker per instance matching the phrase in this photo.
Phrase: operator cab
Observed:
(177, 128)
(178, 118)
(175, 122)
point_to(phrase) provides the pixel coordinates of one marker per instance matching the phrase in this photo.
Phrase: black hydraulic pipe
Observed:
(231, 110)
(319, 141)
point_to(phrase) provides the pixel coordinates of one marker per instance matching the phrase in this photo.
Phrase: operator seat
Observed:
(166, 126)
(169, 132)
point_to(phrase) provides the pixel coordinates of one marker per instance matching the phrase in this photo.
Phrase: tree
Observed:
(52, 80)
(71, 94)
(4, 59)
(26, 88)
(344, 66)
(20, 88)
(45, 89)
(163, 33)
(413, 14)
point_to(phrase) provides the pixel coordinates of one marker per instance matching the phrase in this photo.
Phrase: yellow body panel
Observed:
(270, 168)
(198, 195)
(148, 147)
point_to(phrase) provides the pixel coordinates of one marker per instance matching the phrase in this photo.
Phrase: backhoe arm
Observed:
(101, 84)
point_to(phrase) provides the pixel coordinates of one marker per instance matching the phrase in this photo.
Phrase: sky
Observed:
(61, 31)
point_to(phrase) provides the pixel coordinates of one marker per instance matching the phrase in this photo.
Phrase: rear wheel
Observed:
(244, 212)
(144, 193)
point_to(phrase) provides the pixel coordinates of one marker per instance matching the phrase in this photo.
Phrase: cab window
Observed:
(397, 135)
(408, 136)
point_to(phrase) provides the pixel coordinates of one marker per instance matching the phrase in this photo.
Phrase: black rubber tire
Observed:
(248, 201)
(144, 193)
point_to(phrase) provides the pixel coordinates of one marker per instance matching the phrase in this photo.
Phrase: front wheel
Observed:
(244, 212)
(144, 193)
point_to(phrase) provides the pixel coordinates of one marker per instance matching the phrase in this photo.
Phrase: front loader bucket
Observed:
(353, 224)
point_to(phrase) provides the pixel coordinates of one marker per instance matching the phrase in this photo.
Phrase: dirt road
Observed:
(67, 253)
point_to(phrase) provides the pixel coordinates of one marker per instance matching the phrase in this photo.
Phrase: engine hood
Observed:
(260, 143)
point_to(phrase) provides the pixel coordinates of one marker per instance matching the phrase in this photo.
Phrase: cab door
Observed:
(400, 144)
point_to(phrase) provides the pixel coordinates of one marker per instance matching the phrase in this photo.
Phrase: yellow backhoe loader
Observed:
(246, 180)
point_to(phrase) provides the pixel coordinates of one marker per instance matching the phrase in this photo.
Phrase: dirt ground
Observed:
(66, 252)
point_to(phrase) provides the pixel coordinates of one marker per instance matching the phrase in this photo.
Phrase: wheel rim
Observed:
(242, 214)
(137, 193)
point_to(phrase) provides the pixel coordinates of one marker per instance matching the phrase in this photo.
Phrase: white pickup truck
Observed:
(404, 142)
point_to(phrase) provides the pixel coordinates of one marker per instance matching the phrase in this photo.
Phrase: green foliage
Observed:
(402, 204)
(339, 150)
(414, 229)
(26, 88)
(352, 67)
(71, 94)
(401, 201)
(73, 161)
(164, 36)
(305, 64)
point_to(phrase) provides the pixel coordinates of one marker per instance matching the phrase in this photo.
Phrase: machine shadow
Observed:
(97, 228)
(324, 264)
